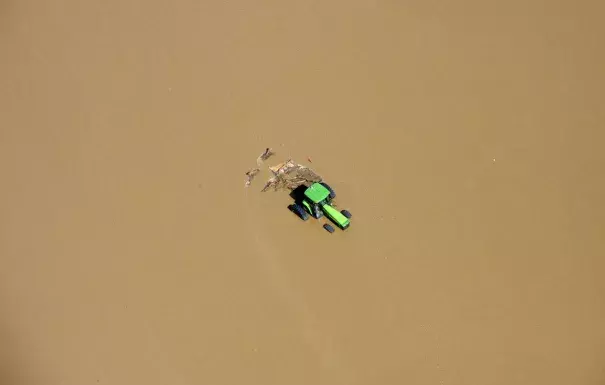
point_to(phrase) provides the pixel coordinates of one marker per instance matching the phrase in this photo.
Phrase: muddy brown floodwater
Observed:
(465, 137)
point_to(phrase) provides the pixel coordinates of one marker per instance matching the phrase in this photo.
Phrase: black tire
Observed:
(299, 211)
(329, 228)
(332, 193)
(346, 213)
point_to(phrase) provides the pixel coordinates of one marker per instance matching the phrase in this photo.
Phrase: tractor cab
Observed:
(315, 197)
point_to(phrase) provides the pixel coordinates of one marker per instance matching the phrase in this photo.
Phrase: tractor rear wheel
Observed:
(329, 228)
(299, 211)
(346, 213)
(332, 193)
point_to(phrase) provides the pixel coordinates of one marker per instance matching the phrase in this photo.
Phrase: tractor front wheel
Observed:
(328, 228)
(299, 211)
(346, 213)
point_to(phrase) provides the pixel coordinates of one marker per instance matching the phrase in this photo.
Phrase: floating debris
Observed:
(264, 156)
(287, 175)
(290, 175)
(251, 174)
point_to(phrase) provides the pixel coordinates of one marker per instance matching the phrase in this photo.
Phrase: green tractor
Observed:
(316, 201)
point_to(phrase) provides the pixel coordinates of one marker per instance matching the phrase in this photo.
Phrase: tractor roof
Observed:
(317, 193)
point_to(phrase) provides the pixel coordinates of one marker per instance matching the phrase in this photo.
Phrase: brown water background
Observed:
(465, 137)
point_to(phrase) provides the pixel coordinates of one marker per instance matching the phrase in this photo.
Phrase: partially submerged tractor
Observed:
(316, 201)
